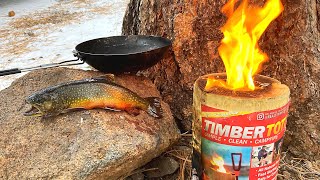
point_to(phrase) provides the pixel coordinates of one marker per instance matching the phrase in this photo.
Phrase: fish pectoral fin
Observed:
(133, 111)
(108, 108)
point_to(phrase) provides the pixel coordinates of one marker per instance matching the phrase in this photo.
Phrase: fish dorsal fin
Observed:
(107, 77)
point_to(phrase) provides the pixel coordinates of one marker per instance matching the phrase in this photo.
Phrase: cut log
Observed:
(291, 41)
(264, 109)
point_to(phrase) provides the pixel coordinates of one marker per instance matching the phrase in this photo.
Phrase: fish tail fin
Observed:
(154, 108)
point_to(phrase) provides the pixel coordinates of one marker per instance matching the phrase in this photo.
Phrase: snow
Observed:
(53, 41)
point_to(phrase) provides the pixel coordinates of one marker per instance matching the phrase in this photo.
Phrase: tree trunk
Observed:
(291, 41)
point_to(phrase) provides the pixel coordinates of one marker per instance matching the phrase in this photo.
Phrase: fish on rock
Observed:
(89, 94)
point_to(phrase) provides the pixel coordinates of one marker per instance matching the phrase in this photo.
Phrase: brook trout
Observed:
(89, 94)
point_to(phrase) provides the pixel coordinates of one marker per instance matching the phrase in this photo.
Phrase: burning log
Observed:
(291, 42)
(226, 118)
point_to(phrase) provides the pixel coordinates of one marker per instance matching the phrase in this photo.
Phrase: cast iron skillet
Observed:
(117, 54)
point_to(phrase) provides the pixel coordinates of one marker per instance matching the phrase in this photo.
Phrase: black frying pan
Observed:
(117, 54)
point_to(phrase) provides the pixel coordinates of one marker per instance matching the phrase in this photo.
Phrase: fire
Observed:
(218, 162)
(239, 48)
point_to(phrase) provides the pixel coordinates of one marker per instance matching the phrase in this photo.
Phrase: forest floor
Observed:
(46, 31)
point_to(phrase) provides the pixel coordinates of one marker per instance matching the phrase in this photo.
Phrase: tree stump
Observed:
(291, 41)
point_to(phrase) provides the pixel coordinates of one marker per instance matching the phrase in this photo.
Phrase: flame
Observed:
(218, 162)
(239, 48)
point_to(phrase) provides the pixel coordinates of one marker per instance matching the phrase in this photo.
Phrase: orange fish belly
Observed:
(102, 103)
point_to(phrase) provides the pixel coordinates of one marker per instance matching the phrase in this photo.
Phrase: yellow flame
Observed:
(218, 162)
(239, 48)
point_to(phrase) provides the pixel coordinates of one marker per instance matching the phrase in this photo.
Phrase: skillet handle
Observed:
(76, 54)
(10, 71)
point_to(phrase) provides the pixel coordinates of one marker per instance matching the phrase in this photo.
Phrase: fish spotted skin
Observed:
(90, 94)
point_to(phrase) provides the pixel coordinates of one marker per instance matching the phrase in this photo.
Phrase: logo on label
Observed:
(260, 116)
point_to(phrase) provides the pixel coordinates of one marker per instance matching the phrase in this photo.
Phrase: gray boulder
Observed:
(86, 144)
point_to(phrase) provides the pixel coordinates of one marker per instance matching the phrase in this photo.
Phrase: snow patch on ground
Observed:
(70, 22)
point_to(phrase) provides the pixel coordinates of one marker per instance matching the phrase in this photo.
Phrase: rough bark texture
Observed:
(86, 144)
(291, 41)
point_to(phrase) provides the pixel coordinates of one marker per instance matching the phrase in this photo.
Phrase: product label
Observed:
(240, 145)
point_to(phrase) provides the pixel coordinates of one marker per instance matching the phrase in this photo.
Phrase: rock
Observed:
(136, 176)
(164, 165)
(78, 145)
(11, 13)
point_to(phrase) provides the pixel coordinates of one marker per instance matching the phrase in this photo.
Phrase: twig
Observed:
(183, 168)
(186, 134)
(179, 157)
(302, 168)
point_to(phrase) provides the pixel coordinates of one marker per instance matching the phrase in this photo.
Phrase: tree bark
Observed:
(291, 41)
